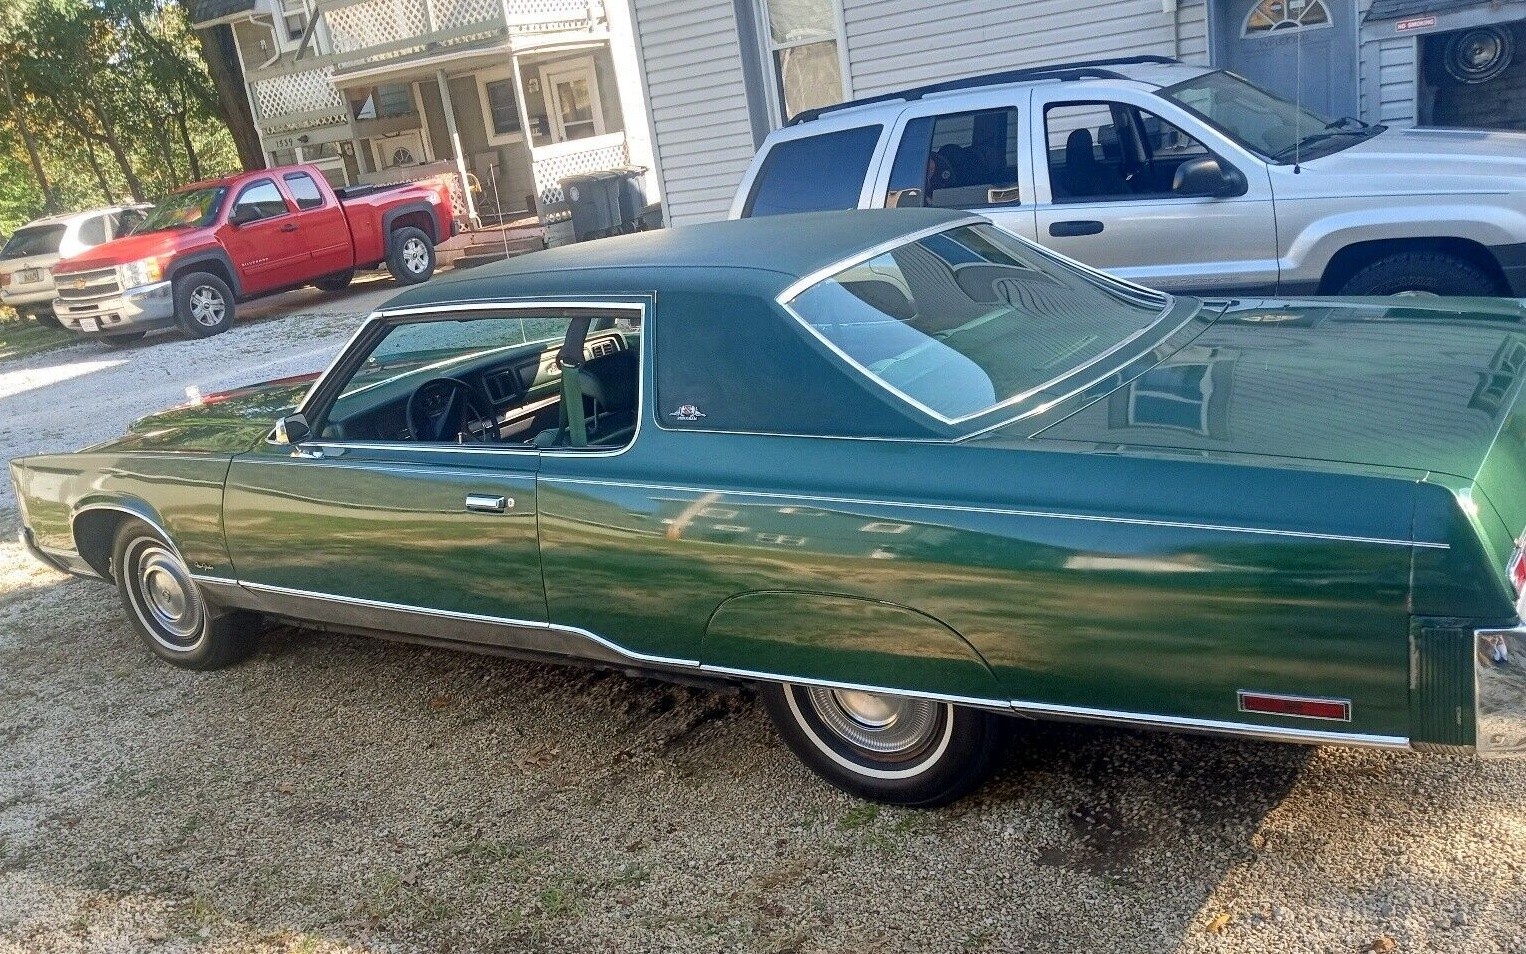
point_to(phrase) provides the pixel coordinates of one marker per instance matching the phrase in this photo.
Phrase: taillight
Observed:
(5, 279)
(1516, 569)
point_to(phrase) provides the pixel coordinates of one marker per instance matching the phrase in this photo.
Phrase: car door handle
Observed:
(289, 227)
(488, 503)
(1075, 227)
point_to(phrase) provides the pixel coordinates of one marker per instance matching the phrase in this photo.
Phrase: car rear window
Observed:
(814, 174)
(34, 240)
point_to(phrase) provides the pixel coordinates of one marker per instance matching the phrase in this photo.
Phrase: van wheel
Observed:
(167, 608)
(338, 281)
(203, 304)
(887, 748)
(410, 256)
(1424, 273)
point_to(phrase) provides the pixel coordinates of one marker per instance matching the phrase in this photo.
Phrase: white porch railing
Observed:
(551, 164)
(296, 100)
(372, 31)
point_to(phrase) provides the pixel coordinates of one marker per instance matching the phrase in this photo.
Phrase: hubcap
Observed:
(415, 256)
(167, 599)
(207, 306)
(884, 725)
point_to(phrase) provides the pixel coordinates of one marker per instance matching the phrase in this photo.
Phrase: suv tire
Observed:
(410, 256)
(203, 304)
(1429, 273)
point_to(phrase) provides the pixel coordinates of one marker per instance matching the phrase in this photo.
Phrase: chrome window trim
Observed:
(1003, 511)
(624, 303)
(786, 298)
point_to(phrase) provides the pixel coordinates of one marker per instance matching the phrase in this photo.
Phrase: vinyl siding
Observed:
(700, 125)
(893, 44)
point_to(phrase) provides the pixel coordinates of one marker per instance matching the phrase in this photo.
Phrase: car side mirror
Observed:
(1204, 176)
(243, 215)
(292, 429)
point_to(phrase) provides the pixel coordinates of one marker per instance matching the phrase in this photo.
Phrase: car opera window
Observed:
(958, 161)
(499, 380)
(1111, 151)
(971, 319)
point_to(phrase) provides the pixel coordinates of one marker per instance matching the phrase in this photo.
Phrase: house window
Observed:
(395, 99)
(503, 111)
(804, 44)
(1270, 16)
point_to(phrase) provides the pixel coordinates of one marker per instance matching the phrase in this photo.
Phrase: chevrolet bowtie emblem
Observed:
(79, 283)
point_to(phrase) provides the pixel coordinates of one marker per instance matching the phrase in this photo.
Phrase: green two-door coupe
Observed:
(907, 472)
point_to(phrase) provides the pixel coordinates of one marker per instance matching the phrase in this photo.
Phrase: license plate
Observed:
(89, 324)
(28, 275)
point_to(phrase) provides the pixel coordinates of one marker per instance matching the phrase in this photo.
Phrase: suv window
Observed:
(1105, 151)
(92, 231)
(814, 174)
(263, 197)
(304, 190)
(34, 240)
(958, 161)
(126, 221)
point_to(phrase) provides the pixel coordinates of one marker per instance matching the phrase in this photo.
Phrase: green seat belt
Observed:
(570, 360)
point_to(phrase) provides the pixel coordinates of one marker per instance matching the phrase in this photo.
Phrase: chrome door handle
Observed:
(487, 503)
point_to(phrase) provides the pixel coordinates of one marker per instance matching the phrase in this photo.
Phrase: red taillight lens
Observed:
(5, 279)
(1517, 569)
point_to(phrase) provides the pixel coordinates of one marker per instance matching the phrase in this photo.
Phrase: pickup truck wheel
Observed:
(203, 304)
(410, 256)
(166, 607)
(338, 281)
(1433, 273)
(887, 748)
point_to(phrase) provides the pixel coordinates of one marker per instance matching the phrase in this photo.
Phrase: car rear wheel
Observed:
(167, 608)
(894, 749)
(1422, 273)
(338, 281)
(410, 256)
(203, 304)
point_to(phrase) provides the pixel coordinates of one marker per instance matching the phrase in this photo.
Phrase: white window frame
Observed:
(548, 90)
(768, 47)
(484, 77)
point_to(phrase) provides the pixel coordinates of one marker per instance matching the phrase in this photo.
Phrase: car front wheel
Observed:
(1420, 273)
(167, 608)
(894, 749)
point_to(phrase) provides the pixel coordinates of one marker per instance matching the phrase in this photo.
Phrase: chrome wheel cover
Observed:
(207, 306)
(887, 727)
(415, 256)
(165, 597)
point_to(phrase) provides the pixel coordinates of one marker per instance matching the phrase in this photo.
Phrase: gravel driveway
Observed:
(341, 795)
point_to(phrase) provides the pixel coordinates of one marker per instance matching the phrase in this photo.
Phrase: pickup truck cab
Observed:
(1179, 177)
(210, 245)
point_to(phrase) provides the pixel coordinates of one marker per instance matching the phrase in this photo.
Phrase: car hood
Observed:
(1409, 161)
(128, 248)
(1390, 383)
(224, 423)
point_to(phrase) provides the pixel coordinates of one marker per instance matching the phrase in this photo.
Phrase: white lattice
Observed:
(375, 23)
(550, 171)
(453, 14)
(307, 92)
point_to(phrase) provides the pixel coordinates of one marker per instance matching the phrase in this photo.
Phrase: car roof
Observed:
(64, 218)
(755, 256)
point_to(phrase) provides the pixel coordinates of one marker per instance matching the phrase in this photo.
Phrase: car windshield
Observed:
(34, 240)
(1263, 122)
(179, 210)
(970, 319)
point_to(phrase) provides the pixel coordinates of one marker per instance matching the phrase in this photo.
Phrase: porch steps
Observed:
(470, 249)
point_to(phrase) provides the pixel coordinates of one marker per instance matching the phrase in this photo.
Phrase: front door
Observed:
(1304, 50)
(263, 244)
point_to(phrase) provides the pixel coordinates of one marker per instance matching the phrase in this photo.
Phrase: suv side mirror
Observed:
(243, 215)
(1204, 176)
(292, 429)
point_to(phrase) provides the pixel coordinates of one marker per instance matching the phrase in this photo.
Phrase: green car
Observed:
(915, 477)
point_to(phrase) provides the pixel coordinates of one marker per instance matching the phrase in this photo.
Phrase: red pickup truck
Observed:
(210, 245)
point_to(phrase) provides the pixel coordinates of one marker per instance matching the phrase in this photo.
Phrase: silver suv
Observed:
(1178, 177)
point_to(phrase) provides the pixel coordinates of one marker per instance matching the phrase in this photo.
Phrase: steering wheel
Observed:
(448, 410)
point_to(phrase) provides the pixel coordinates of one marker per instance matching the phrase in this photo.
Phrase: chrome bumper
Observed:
(136, 309)
(1499, 666)
(37, 296)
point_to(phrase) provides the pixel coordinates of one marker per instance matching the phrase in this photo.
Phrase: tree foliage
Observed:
(102, 101)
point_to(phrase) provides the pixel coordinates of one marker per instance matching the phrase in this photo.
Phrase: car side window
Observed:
(263, 198)
(92, 231)
(814, 173)
(1110, 151)
(963, 160)
(126, 221)
(304, 190)
(495, 380)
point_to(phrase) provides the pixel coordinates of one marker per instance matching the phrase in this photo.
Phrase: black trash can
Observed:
(594, 199)
(632, 189)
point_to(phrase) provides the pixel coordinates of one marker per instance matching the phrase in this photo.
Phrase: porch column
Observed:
(526, 131)
(455, 145)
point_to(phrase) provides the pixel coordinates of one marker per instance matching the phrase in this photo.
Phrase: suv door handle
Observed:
(1075, 227)
(289, 227)
(488, 503)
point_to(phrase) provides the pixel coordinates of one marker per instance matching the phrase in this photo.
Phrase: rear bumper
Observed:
(1499, 666)
(29, 299)
(137, 309)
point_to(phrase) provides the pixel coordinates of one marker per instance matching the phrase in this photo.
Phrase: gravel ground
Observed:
(343, 795)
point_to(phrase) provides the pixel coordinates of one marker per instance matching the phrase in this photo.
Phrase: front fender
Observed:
(846, 641)
(1471, 218)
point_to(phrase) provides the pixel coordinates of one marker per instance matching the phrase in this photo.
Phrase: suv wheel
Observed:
(203, 304)
(410, 256)
(1426, 273)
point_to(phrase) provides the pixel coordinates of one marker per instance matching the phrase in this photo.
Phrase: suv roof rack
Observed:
(1088, 69)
